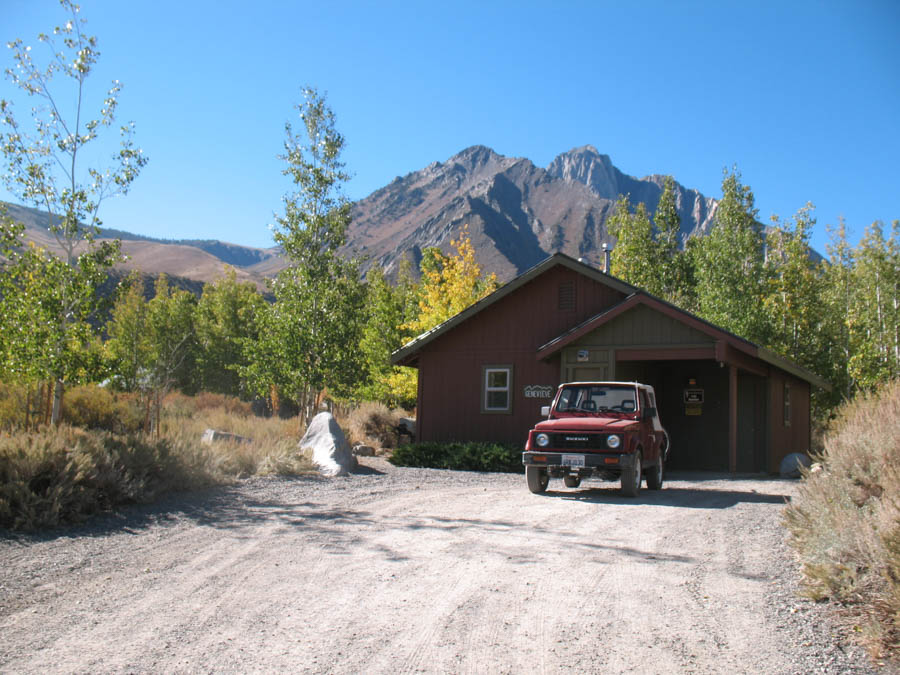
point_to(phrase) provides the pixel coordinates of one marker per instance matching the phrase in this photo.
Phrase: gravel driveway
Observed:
(409, 570)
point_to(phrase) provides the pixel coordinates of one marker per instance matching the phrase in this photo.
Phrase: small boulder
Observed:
(363, 451)
(407, 425)
(211, 435)
(792, 464)
(329, 447)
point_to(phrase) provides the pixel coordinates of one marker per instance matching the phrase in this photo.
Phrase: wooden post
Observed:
(732, 417)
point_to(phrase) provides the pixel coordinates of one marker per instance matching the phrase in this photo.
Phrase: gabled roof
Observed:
(403, 355)
(635, 296)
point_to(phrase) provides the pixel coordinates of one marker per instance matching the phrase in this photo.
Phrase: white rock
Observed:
(409, 423)
(363, 451)
(329, 447)
(211, 435)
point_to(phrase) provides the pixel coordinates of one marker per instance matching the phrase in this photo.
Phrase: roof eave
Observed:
(789, 366)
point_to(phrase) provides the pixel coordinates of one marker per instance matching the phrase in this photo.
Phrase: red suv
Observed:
(607, 430)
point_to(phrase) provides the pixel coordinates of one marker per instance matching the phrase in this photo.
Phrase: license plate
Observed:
(573, 460)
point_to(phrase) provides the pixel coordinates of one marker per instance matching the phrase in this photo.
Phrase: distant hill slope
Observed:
(199, 260)
(517, 214)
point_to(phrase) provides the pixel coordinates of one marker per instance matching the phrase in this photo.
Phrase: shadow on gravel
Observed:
(689, 498)
(217, 506)
(362, 470)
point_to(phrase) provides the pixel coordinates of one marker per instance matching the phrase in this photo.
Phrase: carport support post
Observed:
(732, 417)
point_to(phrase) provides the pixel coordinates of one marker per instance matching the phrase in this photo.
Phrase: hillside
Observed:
(197, 260)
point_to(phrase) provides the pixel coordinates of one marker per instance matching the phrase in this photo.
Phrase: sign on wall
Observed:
(538, 391)
(693, 402)
(693, 396)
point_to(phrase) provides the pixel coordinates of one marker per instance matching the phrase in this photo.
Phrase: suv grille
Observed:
(578, 441)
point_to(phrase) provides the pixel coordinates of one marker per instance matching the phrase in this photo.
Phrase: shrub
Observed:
(89, 407)
(373, 424)
(460, 456)
(94, 407)
(13, 401)
(62, 475)
(845, 523)
(180, 405)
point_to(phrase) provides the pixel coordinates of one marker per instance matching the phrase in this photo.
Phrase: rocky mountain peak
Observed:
(587, 166)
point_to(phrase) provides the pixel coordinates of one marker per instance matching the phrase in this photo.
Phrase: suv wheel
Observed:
(655, 477)
(631, 477)
(537, 479)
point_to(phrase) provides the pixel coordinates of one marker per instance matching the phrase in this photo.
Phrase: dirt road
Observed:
(408, 570)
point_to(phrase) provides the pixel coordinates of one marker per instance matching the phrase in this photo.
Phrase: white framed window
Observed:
(497, 389)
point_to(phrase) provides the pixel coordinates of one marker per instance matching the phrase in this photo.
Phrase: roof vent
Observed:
(566, 295)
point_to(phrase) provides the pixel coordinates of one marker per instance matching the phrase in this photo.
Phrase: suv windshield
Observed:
(591, 398)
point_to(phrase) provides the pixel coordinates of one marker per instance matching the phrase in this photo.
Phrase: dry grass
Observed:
(374, 424)
(62, 475)
(845, 523)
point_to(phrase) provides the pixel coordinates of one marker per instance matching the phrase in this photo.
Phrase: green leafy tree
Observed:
(635, 256)
(128, 344)
(43, 168)
(172, 344)
(34, 294)
(800, 325)
(673, 270)
(389, 309)
(838, 311)
(227, 316)
(309, 339)
(729, 265)
(875, 335)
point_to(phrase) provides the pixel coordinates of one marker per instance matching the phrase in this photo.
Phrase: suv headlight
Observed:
(613, 441)
(543, 440)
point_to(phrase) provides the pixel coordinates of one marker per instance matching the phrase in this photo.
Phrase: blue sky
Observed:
(803, 96)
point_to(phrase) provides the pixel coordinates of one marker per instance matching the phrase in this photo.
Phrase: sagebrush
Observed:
(845, 523)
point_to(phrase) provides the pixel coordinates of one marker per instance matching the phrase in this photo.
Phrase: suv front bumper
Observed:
(564, 463)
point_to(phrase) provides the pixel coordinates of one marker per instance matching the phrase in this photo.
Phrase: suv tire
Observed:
(537, 479)
(631, 477)
(655, 477)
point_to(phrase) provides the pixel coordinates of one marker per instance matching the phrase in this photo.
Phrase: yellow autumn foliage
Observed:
(452, 286)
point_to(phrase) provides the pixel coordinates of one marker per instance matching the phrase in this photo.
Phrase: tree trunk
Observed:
(57, 403)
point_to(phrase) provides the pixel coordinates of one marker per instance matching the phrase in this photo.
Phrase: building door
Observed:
(751, 423)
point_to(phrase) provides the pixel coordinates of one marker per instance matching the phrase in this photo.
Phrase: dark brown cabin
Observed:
(485, 373)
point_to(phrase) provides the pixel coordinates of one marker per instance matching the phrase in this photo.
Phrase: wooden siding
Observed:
(784, 439)
(509, 331)
(644, 326)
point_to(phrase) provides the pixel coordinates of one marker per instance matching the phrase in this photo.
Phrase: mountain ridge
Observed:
(517, 214)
